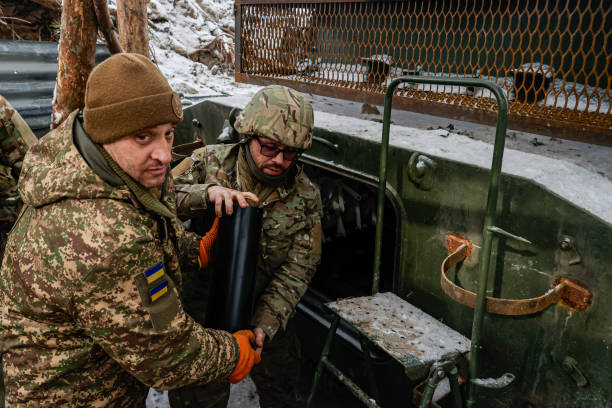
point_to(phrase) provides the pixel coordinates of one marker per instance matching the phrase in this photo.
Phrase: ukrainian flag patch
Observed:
(158, 291)
(155, 273)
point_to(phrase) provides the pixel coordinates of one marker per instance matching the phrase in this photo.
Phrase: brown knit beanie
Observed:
(127, 93)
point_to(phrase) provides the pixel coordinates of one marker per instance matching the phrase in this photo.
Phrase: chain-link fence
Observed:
(553, 58)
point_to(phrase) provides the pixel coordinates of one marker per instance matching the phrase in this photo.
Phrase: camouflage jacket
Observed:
(290, 243)
(89, 307)
(15, 139)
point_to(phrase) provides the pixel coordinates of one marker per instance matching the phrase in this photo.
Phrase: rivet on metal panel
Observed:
(421, 171)
(570, 366)
(197, 133)
(569, 244)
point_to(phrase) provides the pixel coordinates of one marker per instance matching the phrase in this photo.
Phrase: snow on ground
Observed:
(563, 94)
(181, 31)
(184, 31)
(242, 395)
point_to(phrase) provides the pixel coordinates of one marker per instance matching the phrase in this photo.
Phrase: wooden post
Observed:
(132, 23)
(106, 26)
(77, 51)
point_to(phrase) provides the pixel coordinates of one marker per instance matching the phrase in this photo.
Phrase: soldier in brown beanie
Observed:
(89, 286)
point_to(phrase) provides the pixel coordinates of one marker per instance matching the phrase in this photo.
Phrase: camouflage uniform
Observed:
(289, 252)
(290, 249)
(15, 139)
(89, 307)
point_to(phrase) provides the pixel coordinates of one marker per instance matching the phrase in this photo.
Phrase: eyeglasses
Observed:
(270, 150)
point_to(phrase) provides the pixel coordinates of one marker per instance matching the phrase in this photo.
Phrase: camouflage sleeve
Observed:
(188, 243)
(15, 139)
(138, 319)
(279, 299)
(193, 183)
(15, 136)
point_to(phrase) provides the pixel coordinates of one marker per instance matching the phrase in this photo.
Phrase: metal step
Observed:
(412, 337)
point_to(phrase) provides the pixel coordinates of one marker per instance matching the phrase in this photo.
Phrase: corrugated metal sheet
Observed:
(27, 79)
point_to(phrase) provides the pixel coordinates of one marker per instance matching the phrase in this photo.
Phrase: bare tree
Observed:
(77, 47)
(132, 23)
(106, 26)
(77, 51)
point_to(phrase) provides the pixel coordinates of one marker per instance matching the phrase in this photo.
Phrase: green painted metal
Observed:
(535, 347)
(492, 196)
(354, 388)
(317, 377)
(391, 194)
(437, 373)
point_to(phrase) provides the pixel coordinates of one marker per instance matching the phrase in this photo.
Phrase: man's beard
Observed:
(261, 176)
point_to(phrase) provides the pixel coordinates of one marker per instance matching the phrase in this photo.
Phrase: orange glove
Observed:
(207, 244)
(248, 356)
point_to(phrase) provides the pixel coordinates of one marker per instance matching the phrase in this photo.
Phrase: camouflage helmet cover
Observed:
(278, 113)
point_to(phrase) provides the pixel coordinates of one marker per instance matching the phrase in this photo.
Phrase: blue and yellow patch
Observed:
(157, 282)
(158, 291)
(155, 273)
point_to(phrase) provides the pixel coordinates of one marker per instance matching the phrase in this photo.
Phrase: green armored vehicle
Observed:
(403, 269)
(551, 235)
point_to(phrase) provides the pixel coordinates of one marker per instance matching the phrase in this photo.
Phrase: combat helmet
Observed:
(278, 113)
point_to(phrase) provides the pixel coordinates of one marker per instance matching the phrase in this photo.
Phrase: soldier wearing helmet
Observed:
(275, 127)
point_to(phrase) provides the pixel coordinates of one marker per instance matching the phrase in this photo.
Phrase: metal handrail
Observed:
(492, 196)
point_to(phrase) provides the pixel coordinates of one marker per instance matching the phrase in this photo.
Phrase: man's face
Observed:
(262, 151)
(145, 154)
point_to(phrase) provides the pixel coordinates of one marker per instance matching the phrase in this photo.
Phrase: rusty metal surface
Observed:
(575, 295)
(550, 57)
(406, 333)
(564, 290)
(453, 242)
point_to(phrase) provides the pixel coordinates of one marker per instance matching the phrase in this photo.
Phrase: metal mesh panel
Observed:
(553, 58)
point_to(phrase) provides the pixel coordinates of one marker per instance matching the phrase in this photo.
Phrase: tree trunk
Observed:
(77, 51)
(106, 26)
(132, 23)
